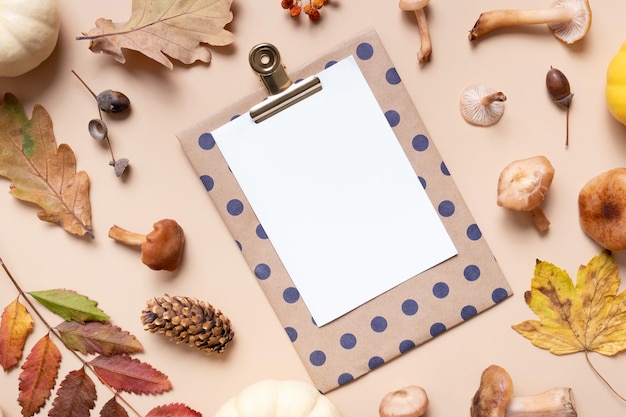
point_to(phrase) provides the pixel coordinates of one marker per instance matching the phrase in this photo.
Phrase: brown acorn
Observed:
(560, 92)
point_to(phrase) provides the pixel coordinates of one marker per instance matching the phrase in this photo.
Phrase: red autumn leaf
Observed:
(15, 326)
(113, 409)
(38, 376)
(75, 397)
(96, 337)
(131, 375)
(173, 410)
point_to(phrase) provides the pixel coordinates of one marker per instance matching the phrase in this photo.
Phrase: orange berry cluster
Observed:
(312, 9)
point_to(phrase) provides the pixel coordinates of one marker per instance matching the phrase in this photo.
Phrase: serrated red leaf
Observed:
(96, 337)
(75, 397)
(131, 375)
(113, 409)
(38, 377)
(15, 326)
(173, 410)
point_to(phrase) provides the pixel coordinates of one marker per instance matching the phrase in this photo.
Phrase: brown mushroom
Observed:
(495, 398)
(417, 6)
(523, 185)
(162, 248)
(411, 401)
(569, 20)
(602, 209)
(481, 105)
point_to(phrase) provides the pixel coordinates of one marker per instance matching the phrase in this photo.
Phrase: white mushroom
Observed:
(481, 105)
(411, 401)
(418, 6)
(569, 20)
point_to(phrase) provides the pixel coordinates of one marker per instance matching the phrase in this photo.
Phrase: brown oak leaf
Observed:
(75, 397)
(95, 337)
(173, 410)
(40, 172)
(38, 377)
(113, 409)
(180, 29)
(15, 326)
(131, 375)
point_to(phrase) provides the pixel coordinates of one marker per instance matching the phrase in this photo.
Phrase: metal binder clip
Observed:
(264, 59)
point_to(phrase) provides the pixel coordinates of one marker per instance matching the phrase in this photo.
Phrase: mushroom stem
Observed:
(488, 99)
(555, 402)
(539, 219)
(495, 19)
(426, 48)
(122, 235)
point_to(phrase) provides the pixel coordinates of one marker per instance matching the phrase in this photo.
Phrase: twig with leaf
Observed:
(86, 330)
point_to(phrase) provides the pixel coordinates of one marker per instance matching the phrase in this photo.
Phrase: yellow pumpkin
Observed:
(29, 30)
(616, 85)
(272, 398)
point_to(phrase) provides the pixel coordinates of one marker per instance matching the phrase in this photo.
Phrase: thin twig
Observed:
(602, 378)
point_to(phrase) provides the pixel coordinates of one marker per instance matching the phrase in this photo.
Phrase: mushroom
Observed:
(162, 248)
(494, 398)
(481, 105)
(602, 209)
(410, 401)
(523, 185)
(418, 6)
(569, 20)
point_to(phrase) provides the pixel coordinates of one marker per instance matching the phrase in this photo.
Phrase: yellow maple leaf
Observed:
(588, 316)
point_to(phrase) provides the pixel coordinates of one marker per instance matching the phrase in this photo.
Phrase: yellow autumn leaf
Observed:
(587, 316)
(180, 29)
(15, 326)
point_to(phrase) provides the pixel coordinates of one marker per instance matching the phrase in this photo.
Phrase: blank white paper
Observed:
(336, 195)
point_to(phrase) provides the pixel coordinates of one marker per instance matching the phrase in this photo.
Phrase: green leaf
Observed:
(70, 305)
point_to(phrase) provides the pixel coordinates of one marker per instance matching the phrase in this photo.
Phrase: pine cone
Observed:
(190, 321)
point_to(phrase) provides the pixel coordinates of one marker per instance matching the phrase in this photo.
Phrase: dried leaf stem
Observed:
(603, 379)
(51, 329)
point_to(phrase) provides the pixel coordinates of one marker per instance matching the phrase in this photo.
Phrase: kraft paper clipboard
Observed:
(416, 310)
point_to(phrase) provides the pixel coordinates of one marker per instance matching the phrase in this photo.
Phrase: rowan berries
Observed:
(311, 9)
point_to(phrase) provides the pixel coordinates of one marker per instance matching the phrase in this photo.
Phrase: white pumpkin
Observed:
(29, 30)
(272, 398)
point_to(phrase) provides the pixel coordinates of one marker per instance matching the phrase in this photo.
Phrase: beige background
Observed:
(163, 184)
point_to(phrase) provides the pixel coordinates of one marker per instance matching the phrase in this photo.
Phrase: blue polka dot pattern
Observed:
(347, 341)
(292, 333)
(239, 245)
(444, 169)
(406, 345)
(468, 312)
(422, 181)
(393, 118)
(379, 324)
(345, 378)
(234, 207)
(392, 76)
(441, 290)
(262, 271)
(260, 232)
(437, 328)
(329, 64)
(291, 295)
(499, 294)
(471, 272)
(207, 181)
(375, 362)
(473, 232)
(420, 143)
(317, 358)
(365, 51)
(410, 307)
(206, 141)
(446, 208)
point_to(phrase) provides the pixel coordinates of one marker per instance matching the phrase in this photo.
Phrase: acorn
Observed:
(560, 92)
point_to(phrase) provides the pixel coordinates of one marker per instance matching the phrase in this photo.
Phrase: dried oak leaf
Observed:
(40, 172)
(38, 377)
(70, 305)
(15, 326)
(75, 397)
(131, 375)
(589, 316)
(173, 410)
(180, 29)
(96, 337)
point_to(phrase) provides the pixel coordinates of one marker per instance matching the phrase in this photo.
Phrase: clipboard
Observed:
(420, 308)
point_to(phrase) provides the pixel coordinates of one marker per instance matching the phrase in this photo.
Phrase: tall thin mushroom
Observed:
(569, 20)
(417, 6)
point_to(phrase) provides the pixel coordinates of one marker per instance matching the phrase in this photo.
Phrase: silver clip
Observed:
(264, 59)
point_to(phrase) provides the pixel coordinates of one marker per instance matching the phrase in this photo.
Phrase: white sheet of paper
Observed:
(336, 195)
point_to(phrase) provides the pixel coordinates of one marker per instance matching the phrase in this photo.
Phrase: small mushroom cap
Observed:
(163, 248)
(412, 5)
(602, 209)
(494, 394)
(481, 105)
(523, 184)
(578, 26)
(411, 401)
